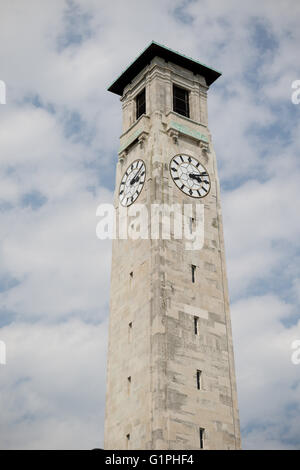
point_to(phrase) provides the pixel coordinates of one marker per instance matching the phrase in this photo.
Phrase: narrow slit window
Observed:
(193, 272)
(141, 103)
(128, 384)
(129, 331)
(181, 101)
(199, 379)
(127, 440)
(192, 223)
(201, 435)
(131, 275)
(196, 319)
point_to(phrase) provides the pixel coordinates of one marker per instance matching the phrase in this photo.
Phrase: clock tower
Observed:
(170, 369)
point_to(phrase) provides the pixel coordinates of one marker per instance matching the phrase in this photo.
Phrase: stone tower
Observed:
(170, 372)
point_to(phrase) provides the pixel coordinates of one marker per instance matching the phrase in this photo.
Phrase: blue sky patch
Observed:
(34, 199)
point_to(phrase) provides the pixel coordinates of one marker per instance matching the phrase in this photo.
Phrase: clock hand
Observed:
(135, 178)
(132, 181)
(197, 177)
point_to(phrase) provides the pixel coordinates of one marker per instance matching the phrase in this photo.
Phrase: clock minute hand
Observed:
(136, 176)
(196, 177)
(134, 179)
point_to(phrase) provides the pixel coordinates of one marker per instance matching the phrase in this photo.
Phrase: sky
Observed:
(59, 137)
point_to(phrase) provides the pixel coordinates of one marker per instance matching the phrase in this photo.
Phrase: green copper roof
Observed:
(154, 49)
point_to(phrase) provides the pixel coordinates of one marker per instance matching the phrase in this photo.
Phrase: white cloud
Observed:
(55, 254)
(267, 377)
(53, 385)
(262, 229)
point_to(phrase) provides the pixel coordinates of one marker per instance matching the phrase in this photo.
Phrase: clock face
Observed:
(190, 176)
(132, 183)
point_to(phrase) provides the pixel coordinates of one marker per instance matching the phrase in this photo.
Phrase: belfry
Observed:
(170, 368)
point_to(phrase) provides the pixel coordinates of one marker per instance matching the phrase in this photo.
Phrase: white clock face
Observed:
(132, 183)
(190, 176)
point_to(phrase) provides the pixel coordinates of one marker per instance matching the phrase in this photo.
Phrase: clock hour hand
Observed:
(197, 177)
(136, 177)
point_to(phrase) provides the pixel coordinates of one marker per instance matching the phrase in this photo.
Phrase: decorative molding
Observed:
(142, 138)
(134, 131)
(123, 156)
(131, 139)
(204, 147)
(174, 135)
(186, 130)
